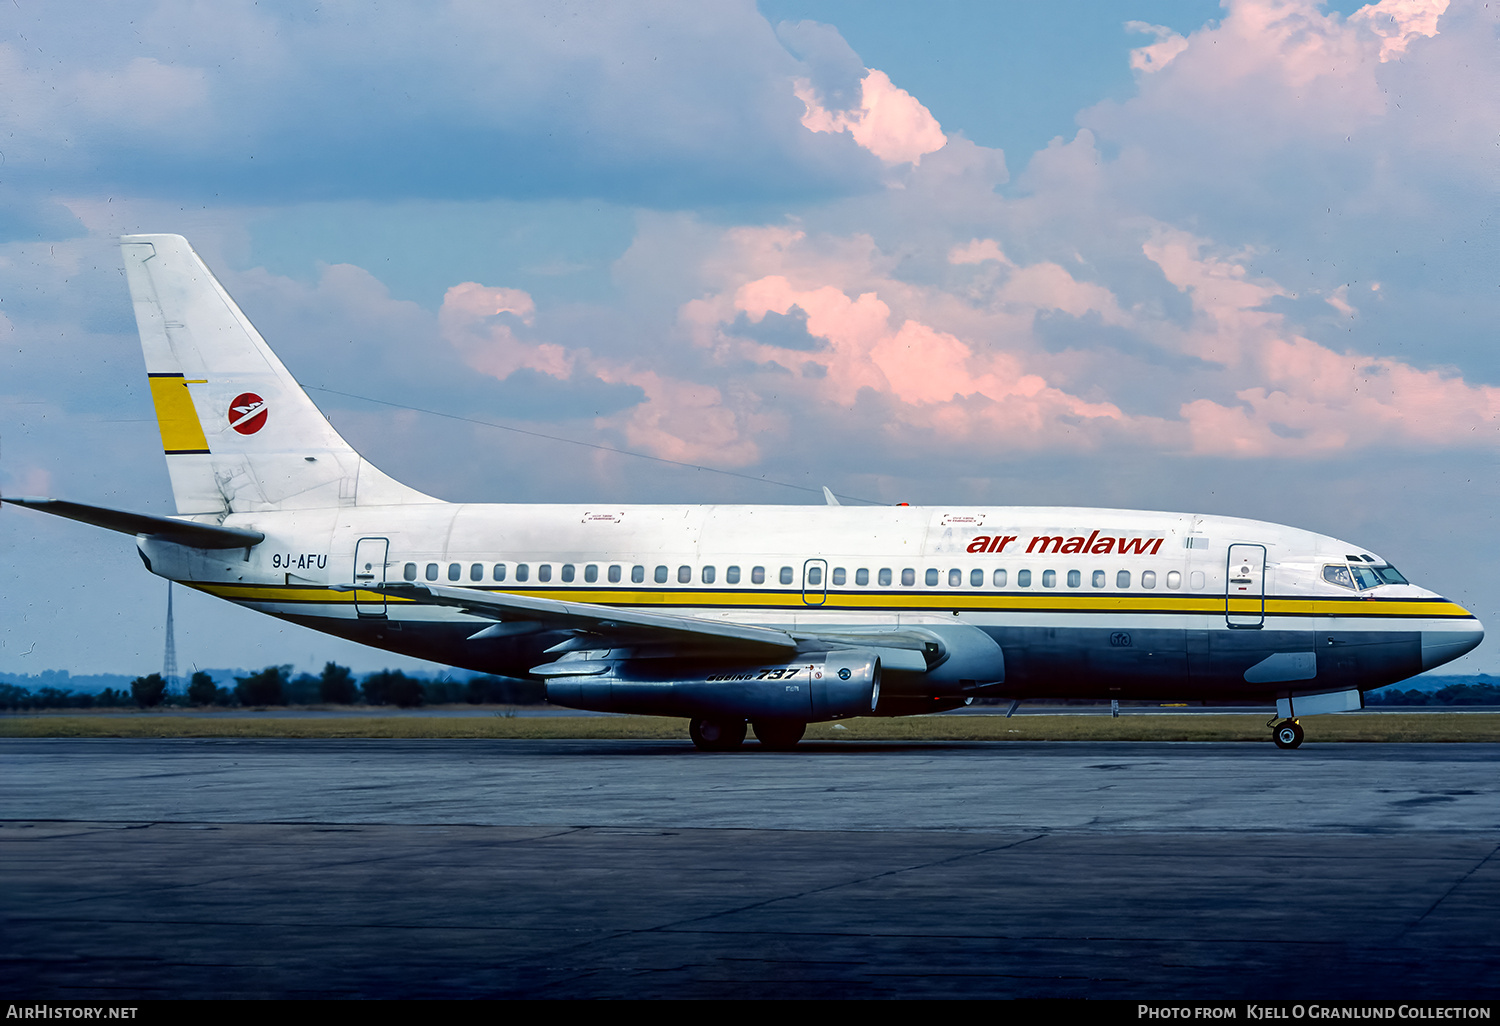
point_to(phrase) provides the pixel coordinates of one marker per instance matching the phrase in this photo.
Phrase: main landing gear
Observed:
(1287, 733)
(727, 735)
(717, 735)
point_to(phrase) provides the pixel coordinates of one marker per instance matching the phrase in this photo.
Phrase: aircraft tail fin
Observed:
(240, 434)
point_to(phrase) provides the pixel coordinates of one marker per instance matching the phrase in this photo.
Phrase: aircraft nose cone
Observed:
(1439, 647)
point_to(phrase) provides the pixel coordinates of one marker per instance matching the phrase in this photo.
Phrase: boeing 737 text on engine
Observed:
(773, 615)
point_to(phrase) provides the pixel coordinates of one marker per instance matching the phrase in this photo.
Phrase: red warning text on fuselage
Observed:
(1097, 544)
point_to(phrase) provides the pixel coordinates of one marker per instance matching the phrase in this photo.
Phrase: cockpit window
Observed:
(1338, 575)
(1362, 577)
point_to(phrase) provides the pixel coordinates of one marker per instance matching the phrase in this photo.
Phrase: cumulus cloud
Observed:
(1159, 54)
(1307, 399)
(977, 251)
(653, 102)
(889, 122)
(1398, 22)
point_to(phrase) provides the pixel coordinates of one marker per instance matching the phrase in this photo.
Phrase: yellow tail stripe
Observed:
(181, 431)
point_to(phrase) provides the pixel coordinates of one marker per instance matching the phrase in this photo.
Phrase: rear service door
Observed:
(369, 572)
(1245, 587)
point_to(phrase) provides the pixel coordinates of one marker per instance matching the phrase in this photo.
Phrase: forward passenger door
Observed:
(1245, 587)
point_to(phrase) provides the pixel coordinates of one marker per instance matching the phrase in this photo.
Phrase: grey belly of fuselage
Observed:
(1037, 662)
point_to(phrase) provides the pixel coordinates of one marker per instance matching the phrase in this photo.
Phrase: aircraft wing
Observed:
(636, 625)
(183, 532)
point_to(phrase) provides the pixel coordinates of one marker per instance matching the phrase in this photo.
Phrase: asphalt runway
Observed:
(570, 869)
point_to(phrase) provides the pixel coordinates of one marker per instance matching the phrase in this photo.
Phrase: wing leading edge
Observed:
(608, 621)
(909, 650)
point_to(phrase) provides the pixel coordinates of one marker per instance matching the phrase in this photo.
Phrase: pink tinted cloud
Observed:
(1158, 54)
(467, 321)
(889, 121)
(943, 382)
(1229, 315)
(1398, 22)
(679, 419)
(1302, 398)
(978, 251)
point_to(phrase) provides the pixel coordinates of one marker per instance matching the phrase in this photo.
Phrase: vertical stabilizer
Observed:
(239, 433)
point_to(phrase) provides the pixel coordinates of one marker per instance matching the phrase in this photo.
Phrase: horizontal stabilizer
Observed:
(629, 625)
(182, 532)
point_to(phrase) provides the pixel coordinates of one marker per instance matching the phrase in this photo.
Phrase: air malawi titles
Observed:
(1095, 544)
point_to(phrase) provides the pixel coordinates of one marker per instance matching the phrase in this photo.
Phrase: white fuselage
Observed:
(1079, 601)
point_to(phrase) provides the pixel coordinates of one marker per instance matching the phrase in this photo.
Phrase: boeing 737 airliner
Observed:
(773, 615)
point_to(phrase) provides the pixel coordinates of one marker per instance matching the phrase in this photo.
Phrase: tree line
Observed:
(275, 685)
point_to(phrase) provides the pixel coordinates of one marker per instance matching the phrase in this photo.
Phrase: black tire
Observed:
(717, 735)
(779, 735)
(1288, 734)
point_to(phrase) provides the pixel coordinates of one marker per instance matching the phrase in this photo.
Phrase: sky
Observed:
(1235, 259)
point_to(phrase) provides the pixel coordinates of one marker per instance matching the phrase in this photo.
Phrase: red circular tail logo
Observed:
(247, 413)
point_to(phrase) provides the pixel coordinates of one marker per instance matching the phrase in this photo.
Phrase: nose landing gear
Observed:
(1287, 734)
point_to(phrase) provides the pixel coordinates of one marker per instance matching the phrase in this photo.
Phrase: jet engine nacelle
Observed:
(826, 686)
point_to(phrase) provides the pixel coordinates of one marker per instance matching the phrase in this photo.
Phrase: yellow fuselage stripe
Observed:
(887, 602)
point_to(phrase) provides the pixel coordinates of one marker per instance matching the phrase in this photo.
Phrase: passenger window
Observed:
(758, 575)
(955, 578)
(637, 574)
(976, 578)
(861, 577)
(684, 575)
(839, 576)
(1174, 579)
(523, 572)
(732, 574)
(455, 571)
(1198, 580)
(614, 575)
(476, 572)
(409, 571)
(1338, 575)
(568, 573)
(544, 572)
(1098, 579)
(499, 572)
(999, 578)
(1148, 578)
(1122, 579)
(1074, 578)
(931, 577)
(1023, 579)
(432, 571)
(786, 575)
(908, 577)
(708, 575)
(661, 575)
(814, 576)
(885, 577)
(1049, 578)
(591, 573)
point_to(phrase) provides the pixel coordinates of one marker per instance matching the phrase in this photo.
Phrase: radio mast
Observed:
(169, 659)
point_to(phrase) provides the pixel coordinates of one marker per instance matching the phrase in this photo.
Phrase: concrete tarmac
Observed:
(1144, 871)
